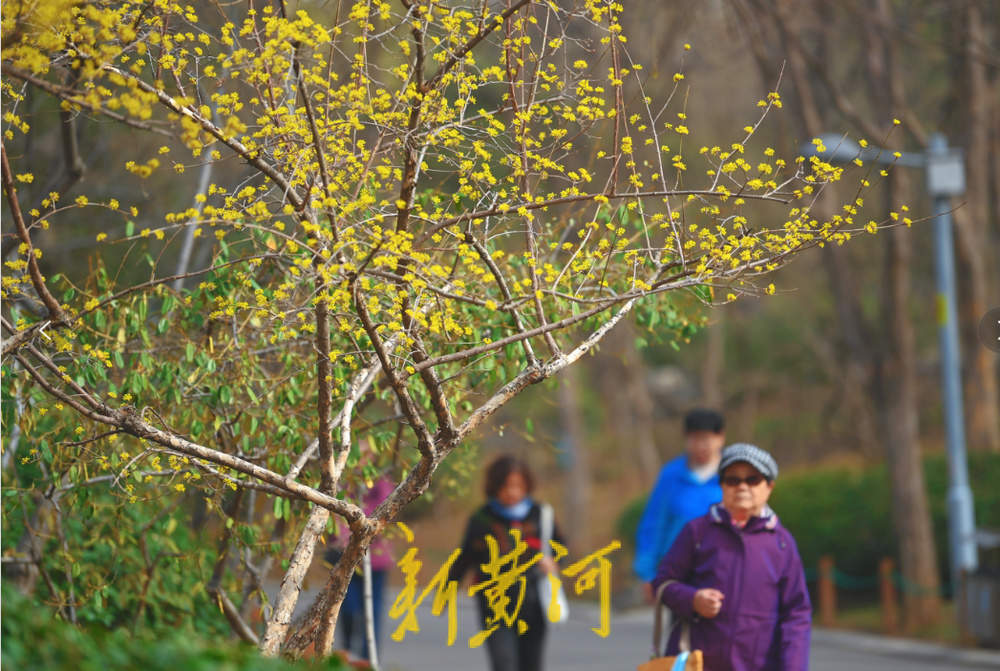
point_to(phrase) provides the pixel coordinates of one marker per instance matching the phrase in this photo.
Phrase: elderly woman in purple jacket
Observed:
(734, 578)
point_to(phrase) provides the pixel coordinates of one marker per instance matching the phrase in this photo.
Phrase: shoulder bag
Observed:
(550, 589)
(687, 660)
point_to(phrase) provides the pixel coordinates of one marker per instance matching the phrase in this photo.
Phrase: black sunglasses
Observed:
(752, 480)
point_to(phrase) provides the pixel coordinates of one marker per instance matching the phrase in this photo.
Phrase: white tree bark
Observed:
(370, 612)
(291, 584)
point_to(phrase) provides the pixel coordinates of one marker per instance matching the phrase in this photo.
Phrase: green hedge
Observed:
(33, 638)
(846, 513)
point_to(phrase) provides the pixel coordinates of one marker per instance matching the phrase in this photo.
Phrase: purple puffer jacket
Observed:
(765, 619)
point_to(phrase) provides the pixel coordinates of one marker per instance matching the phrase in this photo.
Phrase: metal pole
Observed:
(962, 527)
(371, 643)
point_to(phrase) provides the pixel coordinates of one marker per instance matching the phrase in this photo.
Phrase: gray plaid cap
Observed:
(751, 454)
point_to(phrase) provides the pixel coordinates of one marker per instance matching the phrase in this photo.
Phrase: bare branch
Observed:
(425, 442)
(57, 393)
(468, 46)
(69, 96)
(537, 374)
(324, 378)
(251, 157)
(128, 420)
(782, 198)
(504, 289)
(56, 313)
(446, 426)
(22, 336)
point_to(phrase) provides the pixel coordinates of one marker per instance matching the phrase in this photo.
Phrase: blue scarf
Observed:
(518, 511)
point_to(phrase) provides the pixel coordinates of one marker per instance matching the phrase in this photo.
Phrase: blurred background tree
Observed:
(839, 372)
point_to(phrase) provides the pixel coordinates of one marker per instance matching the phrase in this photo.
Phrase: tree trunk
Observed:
(321, 619)
(911, 512)
(982, 407)
(715, 361)
(859, 350)
(628, 404)
(291, 585)
(640, 401)
(858, 346)
(578, 491)
(890, 374)
(910, 509)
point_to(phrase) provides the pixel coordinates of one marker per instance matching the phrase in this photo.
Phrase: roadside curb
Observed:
(871, 643)
(905, 647)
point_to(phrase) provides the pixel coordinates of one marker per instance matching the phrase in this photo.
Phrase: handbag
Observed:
(687, 660)
(550, 589)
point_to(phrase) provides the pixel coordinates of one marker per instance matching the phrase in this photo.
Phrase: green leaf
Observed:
(703, 291)
(129, 228)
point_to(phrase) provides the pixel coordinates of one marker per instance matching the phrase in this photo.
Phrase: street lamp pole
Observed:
(945, 178)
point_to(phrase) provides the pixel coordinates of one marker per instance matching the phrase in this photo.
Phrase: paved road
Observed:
(574, 647)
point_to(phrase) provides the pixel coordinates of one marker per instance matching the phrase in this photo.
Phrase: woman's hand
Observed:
(708, 602)
(547, 565)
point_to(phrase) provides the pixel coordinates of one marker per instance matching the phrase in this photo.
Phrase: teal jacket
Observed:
(677, 498)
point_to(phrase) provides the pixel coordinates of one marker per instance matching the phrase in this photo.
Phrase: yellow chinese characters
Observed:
(496, 586)
(503, 588)
(406, 605)
(587, 571)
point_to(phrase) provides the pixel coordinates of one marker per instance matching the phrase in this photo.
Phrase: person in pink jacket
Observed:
(734, 577)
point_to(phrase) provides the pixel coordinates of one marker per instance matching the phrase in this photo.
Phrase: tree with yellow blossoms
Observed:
(412, 212)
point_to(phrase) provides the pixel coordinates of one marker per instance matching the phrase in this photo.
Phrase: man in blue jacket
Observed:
(684, 490)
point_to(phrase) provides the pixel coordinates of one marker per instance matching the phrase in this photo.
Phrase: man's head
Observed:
(704, 436)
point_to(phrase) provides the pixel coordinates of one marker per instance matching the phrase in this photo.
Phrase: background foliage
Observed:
(33, 639)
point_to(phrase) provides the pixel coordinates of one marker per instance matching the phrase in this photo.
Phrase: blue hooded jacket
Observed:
(677, 498)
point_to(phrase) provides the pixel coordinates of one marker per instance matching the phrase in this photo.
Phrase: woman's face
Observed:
(513, 490)
(744, 499)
